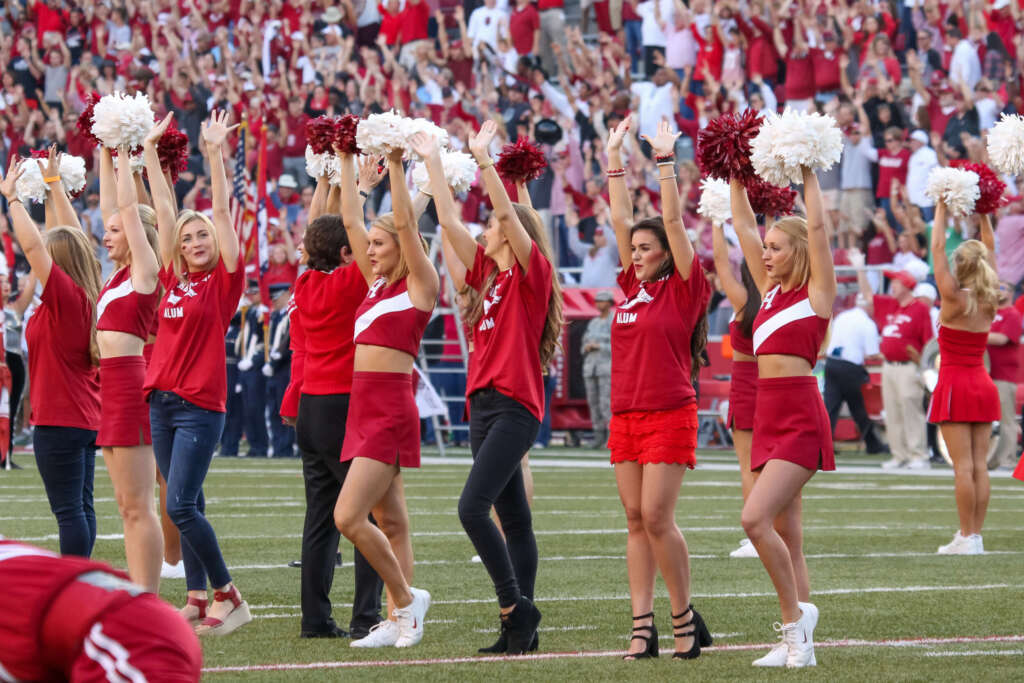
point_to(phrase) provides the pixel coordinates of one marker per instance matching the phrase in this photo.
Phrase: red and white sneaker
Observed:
(238, 616)
(410, 618)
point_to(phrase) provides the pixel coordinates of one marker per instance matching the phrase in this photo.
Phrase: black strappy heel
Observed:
(697, 628)
(650, 640)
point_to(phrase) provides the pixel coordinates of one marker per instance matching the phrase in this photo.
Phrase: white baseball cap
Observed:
(926, 290)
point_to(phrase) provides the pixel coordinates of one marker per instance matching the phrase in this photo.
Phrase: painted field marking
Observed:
(975, 653)
(913, 642)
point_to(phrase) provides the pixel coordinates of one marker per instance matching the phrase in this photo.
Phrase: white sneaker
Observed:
(892, 464)
(410, 618)
(173, 571)
(958, 546)
(977, 546)
(799, 638)
(475, 559)
(778, 654)
(383, 634)
(746, 549)
(919, 464)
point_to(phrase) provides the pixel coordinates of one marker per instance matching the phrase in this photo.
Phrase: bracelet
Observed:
(15, 199)
(621, 173)
(364, 194)
(487, 165)
(666, 163)
(664, 157)
(668, 177)
(51, 179)
(615, 171)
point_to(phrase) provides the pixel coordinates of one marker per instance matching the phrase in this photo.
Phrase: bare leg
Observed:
(392, 517)
(742, 439)
(789, 525)
(958, 441)
(132, 471)
(981, 435)
(776, 487)
(172, 539)
(639, 557)
(367, 486)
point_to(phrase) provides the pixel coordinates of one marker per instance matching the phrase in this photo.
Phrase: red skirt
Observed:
(790, 423)
(383, 421)
(964, 394)
(124, 419)
(655, 436)
(742, 395)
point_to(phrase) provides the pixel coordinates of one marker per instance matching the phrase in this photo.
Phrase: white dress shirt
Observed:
(854, 336)
(919, 166)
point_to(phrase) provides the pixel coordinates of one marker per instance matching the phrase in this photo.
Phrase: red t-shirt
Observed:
(295, 143)
(278, 273)
(799, 77)
(297, 344)
(709, 54)
(550, 4)
(878, 251)
(414, 20)
(651, 333)
(188, 356)
(761, 55)
(938, 116)
(390, 25)
(522, 24)
(825, 65)
(506, 339)
(1005, 358)
(65, 384)
(891, 166)
(325, 307)
(48, 19)
(901, 326)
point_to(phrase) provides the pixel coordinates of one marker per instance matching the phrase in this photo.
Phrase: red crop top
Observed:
(786, 324)
(387, 318)
(121, 309)
(738, 340)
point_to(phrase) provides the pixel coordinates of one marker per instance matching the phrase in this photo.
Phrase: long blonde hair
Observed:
(974, 273)
(795, 228)
(549, 339)
(178, 259)
(386, 222)
(72, 252)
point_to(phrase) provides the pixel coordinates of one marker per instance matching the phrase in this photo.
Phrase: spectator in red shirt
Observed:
(390, 21)
(50, 18)
(524, 27)
(293, 125)
(762, 59)
(799, 86)
(413, 31)
(825, 64)
(893, 161)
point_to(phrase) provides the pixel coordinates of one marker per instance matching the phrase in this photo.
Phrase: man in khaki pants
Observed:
(905, 325)
(1004, 359)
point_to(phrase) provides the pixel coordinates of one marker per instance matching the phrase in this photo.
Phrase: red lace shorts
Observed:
(655, 436)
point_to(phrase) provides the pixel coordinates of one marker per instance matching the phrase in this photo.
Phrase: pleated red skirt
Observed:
(964, 394)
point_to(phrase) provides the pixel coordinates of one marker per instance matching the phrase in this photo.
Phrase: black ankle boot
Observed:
(520, 626)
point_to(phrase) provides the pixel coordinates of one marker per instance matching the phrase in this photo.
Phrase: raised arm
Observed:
(318, 206)
(454, 230)
(352, 216)
(108, 187)
(25, 229)
(508, 221)
(822, 284)
(145, 267)
(620, 205)
(663, 145)
(944, 280)
(58, 207)
(423, 280)
(163, 200)
(987, 237)
(744, 222)
(215, 132)
(734, 289)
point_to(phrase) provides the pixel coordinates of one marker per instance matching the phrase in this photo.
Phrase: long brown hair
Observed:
(549, 338)
(699, 336)
(71, 250)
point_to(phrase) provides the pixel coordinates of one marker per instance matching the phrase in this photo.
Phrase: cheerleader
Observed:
(965, 401)
(515, 323)
(745, 300)
(186, 383)
(63, 360)
(653, 428)
(791, 439)
(382, 429)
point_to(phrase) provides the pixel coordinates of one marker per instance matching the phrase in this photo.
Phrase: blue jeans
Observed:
(66, 458)
(634, 43)
(232, 415)
(184, 436)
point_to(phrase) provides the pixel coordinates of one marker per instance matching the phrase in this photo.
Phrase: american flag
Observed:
(241, 191)
(262, 255)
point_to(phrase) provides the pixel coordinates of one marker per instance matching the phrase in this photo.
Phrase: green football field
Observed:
(891, 609)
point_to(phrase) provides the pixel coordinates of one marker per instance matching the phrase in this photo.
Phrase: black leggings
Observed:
(501, 431)
(17, 366)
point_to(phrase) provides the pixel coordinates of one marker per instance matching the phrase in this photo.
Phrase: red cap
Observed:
(908, 280)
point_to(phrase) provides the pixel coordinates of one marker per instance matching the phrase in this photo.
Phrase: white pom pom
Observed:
(268, 370)
(137, 162)
(1006, 144)
(334, 169)
(122, 120)
(715, 202)
(30, 186)
(316, 164)
(459, 171)
(378, 134)
(412, 126)
(245, 364)
(72, 173)
(794, 140)
(955, 187)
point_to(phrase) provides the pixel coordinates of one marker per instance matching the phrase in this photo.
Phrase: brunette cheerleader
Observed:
(793, 270)
(965, 401)
(185, 381)
(515, 326)
(746, 301)
(653, 429)
(382, 429)
(63, 359)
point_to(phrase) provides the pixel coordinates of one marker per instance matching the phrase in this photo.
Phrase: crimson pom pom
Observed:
(84, 123)
(320, 132)
(345, 134)
(521, 162)
(768, 199)
(992, 188)
(172, 149)
(40, 154)
(723, 146)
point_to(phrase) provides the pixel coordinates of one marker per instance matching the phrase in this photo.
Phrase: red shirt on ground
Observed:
(651, 333)
(65, 384)
(523, 24)
(1005, 358)
(325, 304)
(506, 339)
(901, 326)
(891, 166)
(188, 356)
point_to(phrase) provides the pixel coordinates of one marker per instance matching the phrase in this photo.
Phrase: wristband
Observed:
(611, 172)
(15, 199)
(665, 157)
(364, 194)
(51, 179)
(486, 165)
(668, 177)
